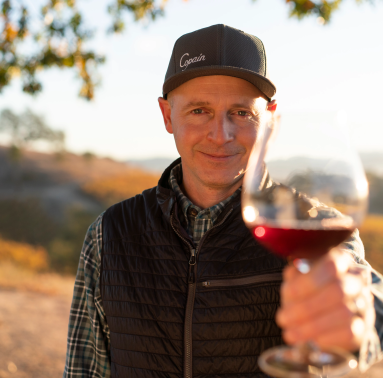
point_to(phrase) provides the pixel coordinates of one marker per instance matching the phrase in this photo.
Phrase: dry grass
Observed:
(71, 167)
(22, 254)
(113, 189)
(22, 266)
(371, 233)
(14, 277)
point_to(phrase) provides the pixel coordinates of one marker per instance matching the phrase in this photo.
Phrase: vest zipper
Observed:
(189, 306)
(270, 277)
(188, 341)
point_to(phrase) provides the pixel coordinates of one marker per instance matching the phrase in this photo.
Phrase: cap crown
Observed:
(218, 50)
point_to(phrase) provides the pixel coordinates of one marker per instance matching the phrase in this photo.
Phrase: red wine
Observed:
(299, 243)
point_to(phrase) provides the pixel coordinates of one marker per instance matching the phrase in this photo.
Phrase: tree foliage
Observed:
(28, 127)
(58, 36)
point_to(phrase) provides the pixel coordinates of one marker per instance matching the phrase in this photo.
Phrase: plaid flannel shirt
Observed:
(88, 345)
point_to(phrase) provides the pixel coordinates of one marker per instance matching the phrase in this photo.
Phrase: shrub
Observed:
(64, 250)
(371, 233)
(25, 220)
(114, 189)
(22, 254)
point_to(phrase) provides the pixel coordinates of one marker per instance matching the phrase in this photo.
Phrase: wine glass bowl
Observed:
(309, 201)
(304, 194)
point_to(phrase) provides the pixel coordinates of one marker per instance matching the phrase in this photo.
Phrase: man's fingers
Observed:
(328, 268)
(336, 311)
(310, 330)
(328, 301)
(291, 314)
(344, 337)
(349, 291)
(290, 272)
(340, 328)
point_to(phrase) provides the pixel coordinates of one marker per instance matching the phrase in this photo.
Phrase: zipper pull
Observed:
(192, 262)
(191, 274)
(192, 257)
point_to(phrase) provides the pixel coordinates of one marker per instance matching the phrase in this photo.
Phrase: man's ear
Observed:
(166, 111)
(272, 106)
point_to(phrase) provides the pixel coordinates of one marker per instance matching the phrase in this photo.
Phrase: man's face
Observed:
(214, 120)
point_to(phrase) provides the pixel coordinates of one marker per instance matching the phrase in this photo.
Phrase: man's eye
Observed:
(242, 113)
(197, 111)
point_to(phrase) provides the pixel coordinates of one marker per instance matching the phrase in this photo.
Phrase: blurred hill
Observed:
(155, 165)
(372, 162)
(278, 169)
(49, 200)
(56, 180)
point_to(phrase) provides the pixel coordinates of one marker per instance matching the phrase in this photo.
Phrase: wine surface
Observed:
(299, 243)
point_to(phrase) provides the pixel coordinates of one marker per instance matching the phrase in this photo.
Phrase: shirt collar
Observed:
(175, 179)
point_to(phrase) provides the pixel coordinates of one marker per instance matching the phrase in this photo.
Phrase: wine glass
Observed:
(304, 197)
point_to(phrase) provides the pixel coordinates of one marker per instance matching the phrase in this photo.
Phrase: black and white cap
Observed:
(218, 50)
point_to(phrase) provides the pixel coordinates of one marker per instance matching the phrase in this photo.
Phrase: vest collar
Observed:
(166, 198)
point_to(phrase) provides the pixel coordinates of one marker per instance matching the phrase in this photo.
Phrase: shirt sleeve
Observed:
(88, 345)
(372, 345)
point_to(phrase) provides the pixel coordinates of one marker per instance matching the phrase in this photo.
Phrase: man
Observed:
(142, 305)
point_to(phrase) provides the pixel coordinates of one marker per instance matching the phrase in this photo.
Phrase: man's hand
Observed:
(332, 305)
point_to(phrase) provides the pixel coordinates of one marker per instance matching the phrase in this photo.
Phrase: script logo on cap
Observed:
(191, 60)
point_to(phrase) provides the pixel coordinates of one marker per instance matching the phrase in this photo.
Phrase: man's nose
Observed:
(220, 129)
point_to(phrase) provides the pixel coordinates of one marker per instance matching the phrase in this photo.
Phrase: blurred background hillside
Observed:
(80, 128)
(47, 202)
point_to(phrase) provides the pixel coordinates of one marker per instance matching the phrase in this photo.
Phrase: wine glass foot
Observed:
(305, 362)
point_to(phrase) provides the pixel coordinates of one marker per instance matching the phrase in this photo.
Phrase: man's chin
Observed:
(215, 181)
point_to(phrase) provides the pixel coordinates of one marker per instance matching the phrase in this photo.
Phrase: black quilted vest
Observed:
(172, 314)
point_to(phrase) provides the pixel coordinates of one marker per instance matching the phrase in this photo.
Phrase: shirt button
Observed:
(193, 212)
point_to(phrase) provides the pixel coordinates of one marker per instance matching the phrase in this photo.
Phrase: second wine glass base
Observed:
(305, 362)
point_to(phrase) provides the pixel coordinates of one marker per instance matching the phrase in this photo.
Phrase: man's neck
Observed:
(204, 196)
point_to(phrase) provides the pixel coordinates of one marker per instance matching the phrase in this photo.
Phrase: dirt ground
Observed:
(33, 328)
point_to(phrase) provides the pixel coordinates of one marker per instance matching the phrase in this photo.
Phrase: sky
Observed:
(318, 70)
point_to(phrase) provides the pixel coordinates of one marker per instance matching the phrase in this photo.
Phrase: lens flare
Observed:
(249, 214)
(259, 232)
(353, 364)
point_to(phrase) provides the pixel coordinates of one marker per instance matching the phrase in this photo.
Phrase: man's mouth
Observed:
(218, 156)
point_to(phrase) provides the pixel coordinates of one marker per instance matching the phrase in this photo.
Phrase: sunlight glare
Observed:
(353, 364)
(362, 186)
(250, 213)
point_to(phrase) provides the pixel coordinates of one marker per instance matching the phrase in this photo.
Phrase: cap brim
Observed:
(262, 83)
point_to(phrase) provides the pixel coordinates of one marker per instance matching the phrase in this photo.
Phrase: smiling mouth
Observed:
(218, 156)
